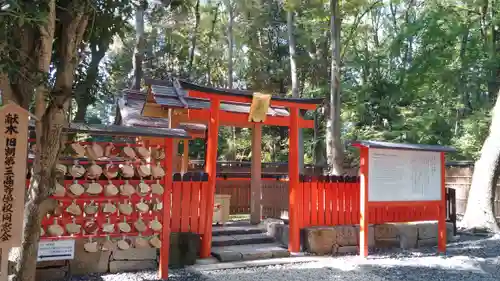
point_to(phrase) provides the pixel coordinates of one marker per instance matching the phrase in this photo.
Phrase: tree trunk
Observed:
(140, 44)
(334, 148)
(210, 38)
(73, 23)
(479, 213)
(195, 35)
(293, 75)
(230, 39)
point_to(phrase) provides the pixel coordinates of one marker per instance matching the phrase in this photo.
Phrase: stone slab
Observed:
(428, 242)
(123, 266)
(427, 230)
(249, 252)
(45, 264)
(346, 235)
(134, 254)
(51, 274)
(347, 250)
(385, 231)
(320, 240)
(85, 262)
(223, 240)
(255, 238)
(206, 261)
(236, 230)
(371, 235)
(226, 254)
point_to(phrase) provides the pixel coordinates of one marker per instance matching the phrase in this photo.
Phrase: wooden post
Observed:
(4, 273)
(185, 157)
(293, 162)
(363, 220)
(442, 208)
(256, 172)
(211, 169)
(165, 239)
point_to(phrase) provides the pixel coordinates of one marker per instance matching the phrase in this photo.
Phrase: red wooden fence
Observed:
(326, 200)
(335, 201)
(189, 203)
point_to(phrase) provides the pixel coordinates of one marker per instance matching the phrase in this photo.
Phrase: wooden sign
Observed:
(13, 154)
(259, 107)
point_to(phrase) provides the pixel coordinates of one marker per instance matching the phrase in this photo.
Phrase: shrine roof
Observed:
(131, 112)
(403, 146)
(177, 98)
(243, 93)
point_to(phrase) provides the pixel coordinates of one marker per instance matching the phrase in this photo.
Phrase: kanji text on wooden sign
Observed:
(13, 154)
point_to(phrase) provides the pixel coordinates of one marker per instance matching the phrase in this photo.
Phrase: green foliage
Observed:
(411, 72)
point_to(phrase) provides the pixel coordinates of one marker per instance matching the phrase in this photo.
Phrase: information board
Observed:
(56, 250)
(403, 175)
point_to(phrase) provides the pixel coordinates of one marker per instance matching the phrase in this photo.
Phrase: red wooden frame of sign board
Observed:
(365, 205)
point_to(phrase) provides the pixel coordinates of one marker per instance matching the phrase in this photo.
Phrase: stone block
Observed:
(427, 230)
(124, 266)
(347, 250)
(226, 254)
(283, 234)
(51, 274)
(385, 231)
(387, 243)
(428, 242)
(371, 235)
(407, 235)
(320, 240)
(134, 254)
(184, 248)
(45, 264)
(249, 252)
(85, 262)
(270, 225)
(346, 235)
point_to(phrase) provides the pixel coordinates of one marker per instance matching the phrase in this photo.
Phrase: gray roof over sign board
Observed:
(117, 130)
(404, 146)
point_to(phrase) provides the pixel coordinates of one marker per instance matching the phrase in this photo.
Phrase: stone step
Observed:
(249, 252)
(236, 230)
(241, 239)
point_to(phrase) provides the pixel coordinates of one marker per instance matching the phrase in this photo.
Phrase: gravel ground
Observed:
(471, 259)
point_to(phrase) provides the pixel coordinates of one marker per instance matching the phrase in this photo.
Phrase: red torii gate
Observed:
(216, 107)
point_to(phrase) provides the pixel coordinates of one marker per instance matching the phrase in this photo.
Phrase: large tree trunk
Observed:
(479, 213)
(72, 27)
(84, 97)
(210, 39)
(295, 81)
(334, 148)
(140, 47)
(230, 39)
(194, 36)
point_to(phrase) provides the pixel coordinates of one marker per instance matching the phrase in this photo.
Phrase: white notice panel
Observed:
(403, 175)
(56, 250)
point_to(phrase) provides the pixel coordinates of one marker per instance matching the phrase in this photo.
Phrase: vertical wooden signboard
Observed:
(13, 155)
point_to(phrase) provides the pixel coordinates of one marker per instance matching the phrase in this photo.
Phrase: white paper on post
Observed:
(403, 175)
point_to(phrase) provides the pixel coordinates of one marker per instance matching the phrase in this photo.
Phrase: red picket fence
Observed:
(189, 203)
(325, 200)
(335, 200)
(274, 193)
